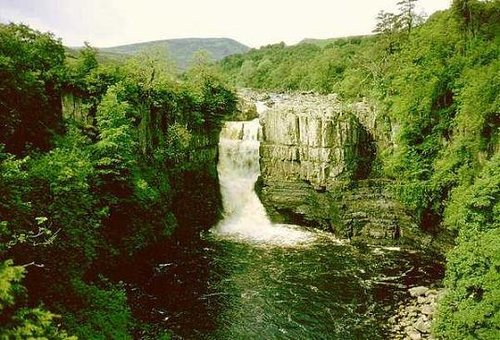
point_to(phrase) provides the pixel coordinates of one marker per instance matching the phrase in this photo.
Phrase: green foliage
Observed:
(82, 65)
(414, 195)
(17, 322)
(178, 142)
(35, 323)
(31, 72)
(61, 188)
(10, 276)
(474, 209)
(104, 189)
(470, 309)
(101, 313)
(214, 99)
(151, 68)
(115, 149)
(13, 185)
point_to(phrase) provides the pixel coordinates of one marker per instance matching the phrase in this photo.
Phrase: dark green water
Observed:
(220, 289)
(217, 288)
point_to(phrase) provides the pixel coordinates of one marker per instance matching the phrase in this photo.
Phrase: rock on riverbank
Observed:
(413, 317)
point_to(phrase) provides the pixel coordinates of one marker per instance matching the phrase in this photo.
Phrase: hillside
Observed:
(181, 50)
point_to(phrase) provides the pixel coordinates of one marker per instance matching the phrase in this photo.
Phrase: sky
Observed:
(106, 23)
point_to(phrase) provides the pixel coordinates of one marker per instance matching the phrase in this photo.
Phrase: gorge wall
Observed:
(311, 138)
(197, 203)
(192, 201)
(316, 169)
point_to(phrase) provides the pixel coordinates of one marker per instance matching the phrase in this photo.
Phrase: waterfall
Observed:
(238, 168)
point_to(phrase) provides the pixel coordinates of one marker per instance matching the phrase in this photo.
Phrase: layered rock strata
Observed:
(309, 138)
(316, 156)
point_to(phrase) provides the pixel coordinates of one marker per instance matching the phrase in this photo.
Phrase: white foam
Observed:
(244, 215)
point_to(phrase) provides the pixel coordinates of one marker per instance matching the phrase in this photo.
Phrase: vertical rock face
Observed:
(309, 138)
(196, 195)
(315, 158)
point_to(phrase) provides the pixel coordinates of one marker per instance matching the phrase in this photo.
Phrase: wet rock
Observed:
(428, 310)
(245, 110)
(423, 326)
(417, 291)
(414, 335)
(414, 318)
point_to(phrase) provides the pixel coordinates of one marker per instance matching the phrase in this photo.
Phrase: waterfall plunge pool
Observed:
(250, 279)
(219, 288)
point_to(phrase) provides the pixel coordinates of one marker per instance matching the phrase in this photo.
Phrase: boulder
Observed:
(431, 292)
(245, 110)
(422, 299)
(418, 291)
(428, 310)
(414, 335)
(423, 326)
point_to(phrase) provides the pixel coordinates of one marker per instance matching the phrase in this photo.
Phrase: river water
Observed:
(250, 279)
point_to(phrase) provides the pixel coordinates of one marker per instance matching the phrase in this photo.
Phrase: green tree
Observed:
(17, 321)
(116, 146)
(31, 72)
(407, 14)
(471, 307)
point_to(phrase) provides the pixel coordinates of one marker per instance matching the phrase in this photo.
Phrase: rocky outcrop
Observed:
(316, 157)
(413, 318)
(74, 109)
(196, 193)
(368, 209)
(245, 109)
(309, 138)
(363, 210)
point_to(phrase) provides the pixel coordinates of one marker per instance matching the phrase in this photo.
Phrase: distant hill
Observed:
(181, 50)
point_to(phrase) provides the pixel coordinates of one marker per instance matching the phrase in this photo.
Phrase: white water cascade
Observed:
(244, 215)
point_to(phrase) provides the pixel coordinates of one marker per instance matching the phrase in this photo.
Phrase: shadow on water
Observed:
(213, 288)
(304, 286)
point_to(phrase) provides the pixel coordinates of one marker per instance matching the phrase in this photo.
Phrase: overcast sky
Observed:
(253, 22)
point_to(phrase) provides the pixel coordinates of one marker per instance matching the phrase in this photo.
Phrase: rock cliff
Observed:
(195, 197)
(196, 190)
(310, 138)
(316, 158)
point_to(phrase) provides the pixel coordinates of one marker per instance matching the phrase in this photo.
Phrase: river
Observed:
(248, 278)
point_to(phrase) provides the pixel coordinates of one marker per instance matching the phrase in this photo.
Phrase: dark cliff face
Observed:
(197, 203)
(316, 158)
(192, 202)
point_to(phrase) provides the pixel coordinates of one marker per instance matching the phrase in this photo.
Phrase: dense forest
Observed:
(80, 191)
(436, 84)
